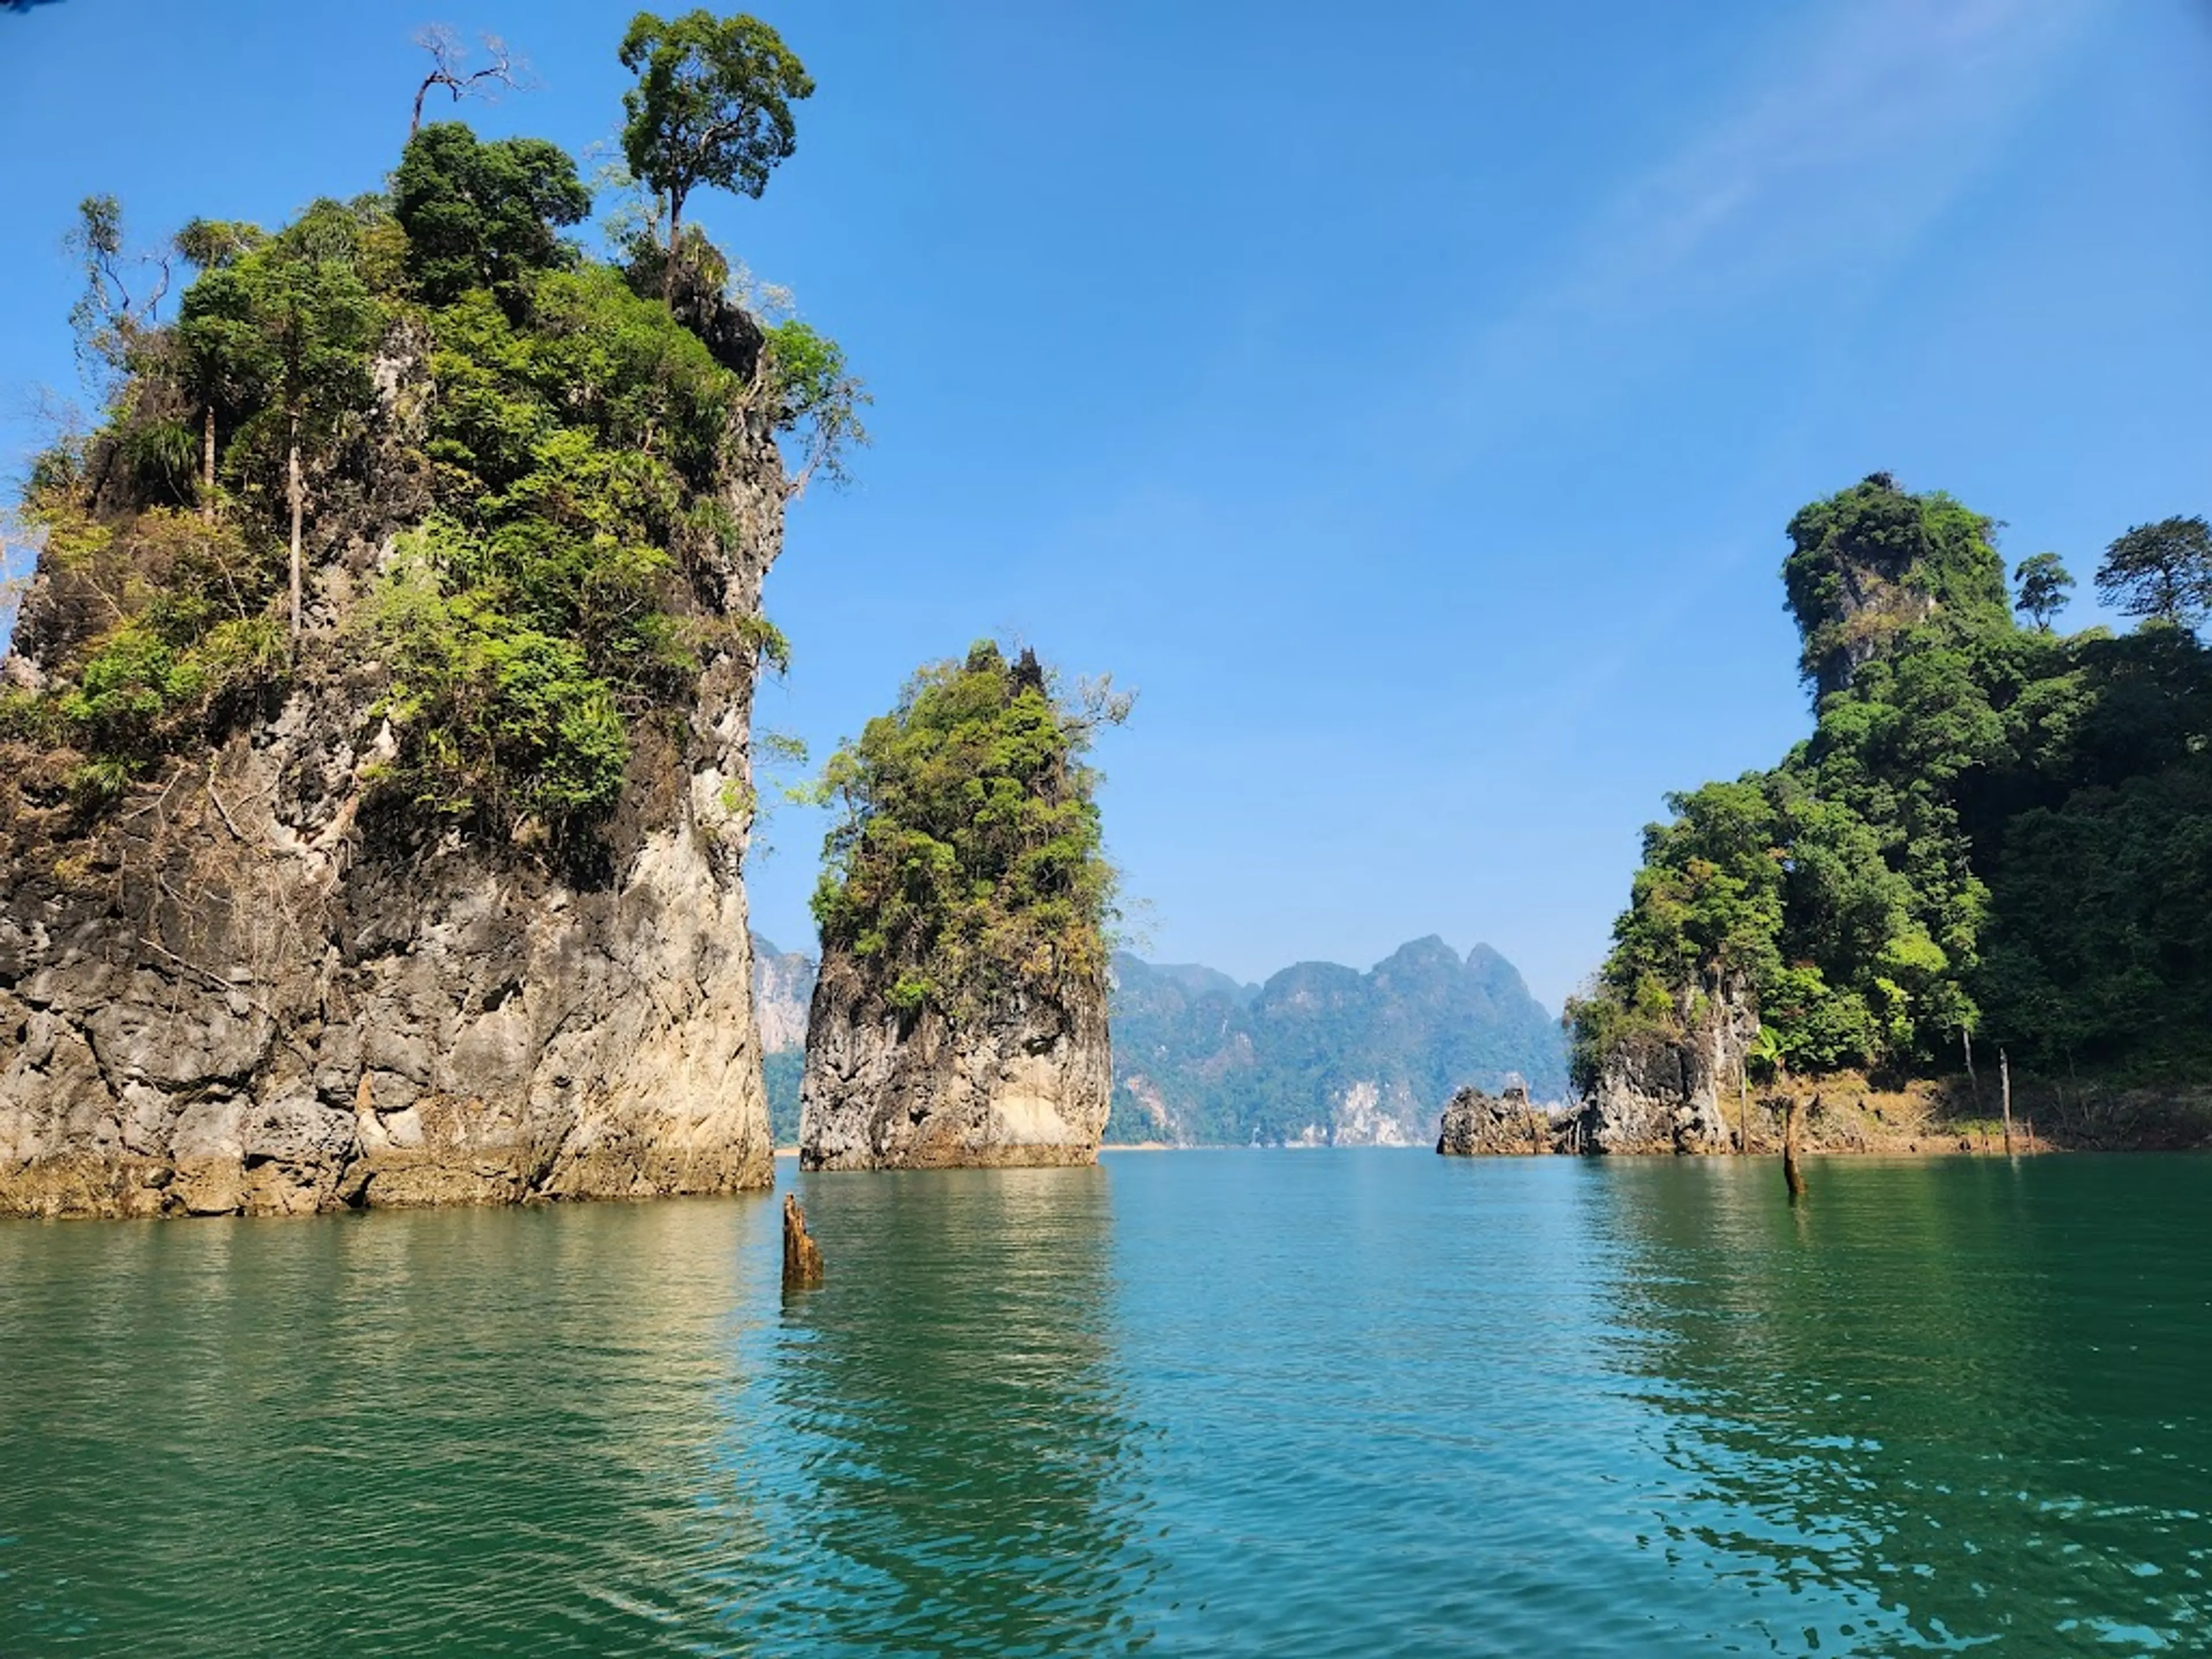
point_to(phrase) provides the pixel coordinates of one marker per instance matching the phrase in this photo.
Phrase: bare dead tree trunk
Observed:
(802, 1256)
(446, 54)
(2004, 1079)
(1792, 1177)
(668, 270)
(1743, 1114)
(1973, 1083)
(298, 582)
(206, 467)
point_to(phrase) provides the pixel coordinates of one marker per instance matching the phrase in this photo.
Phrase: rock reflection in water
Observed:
(387, 1433)
(959, 1474)
(1934, 1406)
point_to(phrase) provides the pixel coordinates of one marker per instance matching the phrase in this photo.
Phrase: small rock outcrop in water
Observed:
(959, 1016)
(802, 1256)
(1478, 1125)
(1655, 1096)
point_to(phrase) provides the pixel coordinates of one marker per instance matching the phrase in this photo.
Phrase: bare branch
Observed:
(106, 318)
(447, 56)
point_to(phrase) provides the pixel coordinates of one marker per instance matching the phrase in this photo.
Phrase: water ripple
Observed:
(1241, 1403)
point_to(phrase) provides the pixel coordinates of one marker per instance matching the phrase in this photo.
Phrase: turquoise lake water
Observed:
(1310, 1403)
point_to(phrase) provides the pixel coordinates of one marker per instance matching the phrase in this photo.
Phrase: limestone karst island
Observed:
(846, 832)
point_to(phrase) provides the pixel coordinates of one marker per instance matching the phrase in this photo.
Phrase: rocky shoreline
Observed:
(1845, 1115)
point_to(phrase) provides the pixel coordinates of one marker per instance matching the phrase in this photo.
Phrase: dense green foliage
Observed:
(966, 860)
(1866, 563)
(2040, 586)
(781, 1074)
(484, 215)
(1993, 829)
(177, 636)
(559, 435)
(711, 106)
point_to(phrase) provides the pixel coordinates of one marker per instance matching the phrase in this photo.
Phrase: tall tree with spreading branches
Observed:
(217, 351)
(2161, 572)
(712, 106)
(2042, 581)
(291, 325)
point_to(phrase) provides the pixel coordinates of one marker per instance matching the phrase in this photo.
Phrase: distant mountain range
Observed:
(1320, 1054)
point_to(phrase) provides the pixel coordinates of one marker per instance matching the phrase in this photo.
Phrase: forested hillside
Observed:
(1321, 1052)
(1997, 833)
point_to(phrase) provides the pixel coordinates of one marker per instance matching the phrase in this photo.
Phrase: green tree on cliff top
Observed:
(545, 448)
(966, 860)
(2161, 572)
(712, 106)
(2042, 583)
(290, 324)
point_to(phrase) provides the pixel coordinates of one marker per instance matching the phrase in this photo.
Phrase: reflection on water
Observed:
(1334, 1404)
(959, 1470)
(1945, 1403)
(271, 1436)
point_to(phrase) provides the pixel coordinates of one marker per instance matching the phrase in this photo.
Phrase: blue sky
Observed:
(1406, 398)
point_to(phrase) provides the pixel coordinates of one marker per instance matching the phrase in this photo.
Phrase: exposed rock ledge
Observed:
(1028, 1083)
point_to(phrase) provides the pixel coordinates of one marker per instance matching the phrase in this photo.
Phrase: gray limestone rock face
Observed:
(1504, 1125)
(1028, 1083)
(1663, 1095)
(783, 986)
(249, 987)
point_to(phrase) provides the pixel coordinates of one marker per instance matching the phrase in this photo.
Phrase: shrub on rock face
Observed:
(967, 861)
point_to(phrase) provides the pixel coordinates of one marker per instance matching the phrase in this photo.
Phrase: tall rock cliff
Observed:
(959, 1015)
(783, 990)
(1026, 1081)
(254, 983)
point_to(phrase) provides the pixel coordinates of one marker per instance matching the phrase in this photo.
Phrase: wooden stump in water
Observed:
(802, 1256)
(1790, 1174)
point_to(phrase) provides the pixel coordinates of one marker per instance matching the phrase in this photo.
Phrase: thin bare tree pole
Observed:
(298, 581)
(2004, 1079)
(668, 269)
(206, 465)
